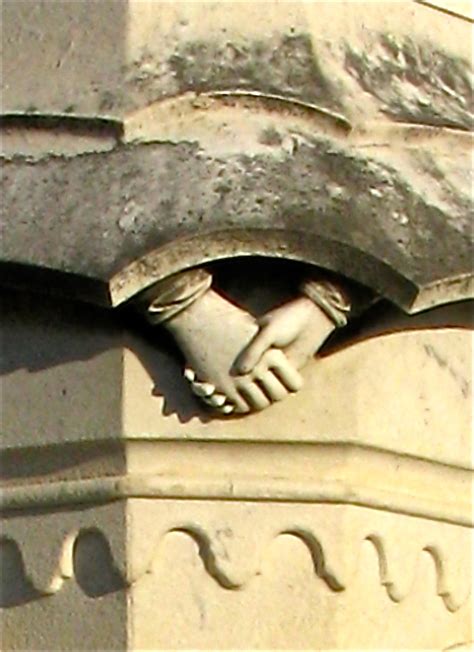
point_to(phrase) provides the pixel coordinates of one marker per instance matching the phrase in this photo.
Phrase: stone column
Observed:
(144, 138)
(337, 519)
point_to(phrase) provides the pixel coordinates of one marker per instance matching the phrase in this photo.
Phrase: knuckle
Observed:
(275, 357)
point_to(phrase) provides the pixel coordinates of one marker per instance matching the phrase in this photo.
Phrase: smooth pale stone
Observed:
(290, 575)
(407, 392)
(303, 524)
(189, 374)
(285, 600)
(202, 389)
(76, 557)
(54, 364)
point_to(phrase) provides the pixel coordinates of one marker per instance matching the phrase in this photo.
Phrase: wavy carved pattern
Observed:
(87, 557)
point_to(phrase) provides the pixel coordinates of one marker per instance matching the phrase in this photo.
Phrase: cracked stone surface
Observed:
(325, 203)
(333, 136)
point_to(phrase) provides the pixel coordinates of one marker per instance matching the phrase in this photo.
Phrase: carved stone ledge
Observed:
(243, 555)
(188, 123)
(233, 560)
(337, 474)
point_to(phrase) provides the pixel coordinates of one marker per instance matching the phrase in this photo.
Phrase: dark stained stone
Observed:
(285, 65)
(415, 82)
(90, 217)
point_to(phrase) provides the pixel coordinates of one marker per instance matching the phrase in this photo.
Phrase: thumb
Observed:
(250, 356)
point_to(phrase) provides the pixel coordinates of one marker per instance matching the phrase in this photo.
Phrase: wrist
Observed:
(186, 318)
(165, 301)
(330, 299)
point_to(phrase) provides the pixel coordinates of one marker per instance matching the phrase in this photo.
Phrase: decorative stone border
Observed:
(98, 490)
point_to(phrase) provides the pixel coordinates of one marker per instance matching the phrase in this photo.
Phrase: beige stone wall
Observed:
(342, 517)
(345, 524)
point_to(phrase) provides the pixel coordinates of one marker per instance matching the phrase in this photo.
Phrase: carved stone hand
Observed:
(299, 328)
(235, 363)
(211, 333)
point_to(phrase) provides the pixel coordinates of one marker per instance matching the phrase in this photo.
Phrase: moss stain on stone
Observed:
(285, 65)
(416, 82)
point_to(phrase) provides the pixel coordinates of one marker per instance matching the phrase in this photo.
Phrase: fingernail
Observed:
(217, 400)
(227, 409)
(189, 374)
(203, 389)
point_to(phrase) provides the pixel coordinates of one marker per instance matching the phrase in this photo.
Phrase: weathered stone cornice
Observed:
(324, 141)
(333, 474)
(173, 205)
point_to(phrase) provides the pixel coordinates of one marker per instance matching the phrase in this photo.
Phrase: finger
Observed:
(277, 361)
(226, 409)
(240, 406)
(218, 406)
(216, 400)
(290, 377)
(189, 374)
(254, 395)
(272, 386)
(231, 399)
(252, 353)
(225, 404)
(203, 390)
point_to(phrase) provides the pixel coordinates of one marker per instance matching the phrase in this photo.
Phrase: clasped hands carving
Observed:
(236, 363)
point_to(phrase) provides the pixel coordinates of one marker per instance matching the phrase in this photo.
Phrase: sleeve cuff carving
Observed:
(169, 297)
(330, 298)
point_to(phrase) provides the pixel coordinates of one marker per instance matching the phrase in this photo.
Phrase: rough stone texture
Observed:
(60, 136)
(388, 224)
(340, 520)
(342, 131)
(322, 53)
(415, 82)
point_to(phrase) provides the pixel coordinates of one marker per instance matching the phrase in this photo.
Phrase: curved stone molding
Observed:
(319, 134)
(15, 586)
(307, 223)
(286, 490)
(87, 557)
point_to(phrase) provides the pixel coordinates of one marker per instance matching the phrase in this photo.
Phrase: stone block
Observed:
(133, 521)
(200, 132)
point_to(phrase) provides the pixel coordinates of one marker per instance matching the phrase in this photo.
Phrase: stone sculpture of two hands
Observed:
(236, 363)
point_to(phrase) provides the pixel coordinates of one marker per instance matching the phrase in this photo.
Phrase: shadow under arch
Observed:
(16, 588)
(95, 570)
(281, 244)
